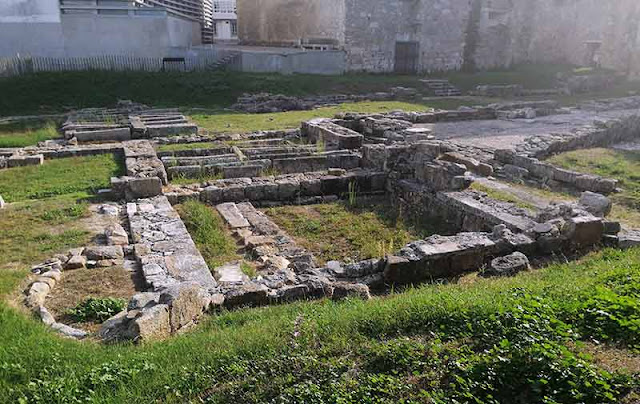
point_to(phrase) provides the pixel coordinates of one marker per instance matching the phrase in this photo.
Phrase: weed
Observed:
(248, 270)
(352, 194)
(94, 309)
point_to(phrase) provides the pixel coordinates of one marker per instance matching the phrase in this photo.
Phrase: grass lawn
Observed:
(59, 177)
(243, 123)
(621, 165)
(207, 228)
(57, 92)
(336, 231)
(35, 230)
(27, 133)
(523, 339)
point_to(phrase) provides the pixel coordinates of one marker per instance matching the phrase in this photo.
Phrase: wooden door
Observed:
(407, 54)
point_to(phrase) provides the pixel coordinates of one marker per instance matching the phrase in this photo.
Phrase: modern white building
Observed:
(82, 28)
(225, 21)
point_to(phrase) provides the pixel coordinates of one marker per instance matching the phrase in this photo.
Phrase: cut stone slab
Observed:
(629, 240)
(230, 274)
(76, 262)
(508, 265)
(98, 253)
(249, 294)
(232, 215)
(69, 331)
(116, 235)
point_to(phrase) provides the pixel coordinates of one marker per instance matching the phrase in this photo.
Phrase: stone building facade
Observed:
(433, 35)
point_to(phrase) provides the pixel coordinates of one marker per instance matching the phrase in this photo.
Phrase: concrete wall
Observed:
(304, 62)
(286, 22)
(374, 26)
(80, 35)
(30, 26)
(14, 11)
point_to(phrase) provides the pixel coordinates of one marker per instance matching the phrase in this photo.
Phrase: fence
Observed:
(201, 61)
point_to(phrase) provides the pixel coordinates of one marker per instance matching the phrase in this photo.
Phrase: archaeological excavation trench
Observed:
(423, 164)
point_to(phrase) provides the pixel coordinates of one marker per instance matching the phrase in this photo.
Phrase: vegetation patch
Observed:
(59, 177)
(35, 230)
(502, 196)
(209, 233)
(244, 123)
(96, 309)
(182, 180)
(340, 231)
(503, 340)
(85, 297)
(26, 133)
(621, 165)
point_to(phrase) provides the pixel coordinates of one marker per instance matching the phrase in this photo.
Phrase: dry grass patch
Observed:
(338, 231)
(78, 285)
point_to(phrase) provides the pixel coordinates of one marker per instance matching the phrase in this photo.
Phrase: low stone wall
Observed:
(145, 172)
(547, 172)
(294, 188)
(181, 287)
(327, 132)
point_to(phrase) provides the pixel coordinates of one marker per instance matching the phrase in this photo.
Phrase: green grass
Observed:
(27, 133)
(208, 232)
(57, 92)
(182, 180)
(621, 165)
(337, 231)
(502, 196)
(32, 231)
(59, 177)
(243, 123)
(491, 341)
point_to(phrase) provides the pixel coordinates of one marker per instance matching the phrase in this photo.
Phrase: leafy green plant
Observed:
(94, 309)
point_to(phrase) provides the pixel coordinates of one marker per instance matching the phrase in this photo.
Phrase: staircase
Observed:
(441, 88)
(220, 64)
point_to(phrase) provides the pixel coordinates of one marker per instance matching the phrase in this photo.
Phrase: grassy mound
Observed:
(492, 341)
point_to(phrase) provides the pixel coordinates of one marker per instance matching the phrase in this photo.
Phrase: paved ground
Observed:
(505, 134)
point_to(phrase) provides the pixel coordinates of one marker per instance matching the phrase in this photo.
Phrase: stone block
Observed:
(233, 194)
(288, 189)
(343, 290)
(311, 187)
(248, 295)
(233, 217)
(153, 323)
(116, 235)
(76, 262)
(584, 231)
(187, 302)
(596, 204)
(508, 265)
(143, 187)
(212, 195)
(98, 253)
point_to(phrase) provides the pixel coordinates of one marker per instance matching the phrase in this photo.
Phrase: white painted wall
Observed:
(17, 11)
(36, 28)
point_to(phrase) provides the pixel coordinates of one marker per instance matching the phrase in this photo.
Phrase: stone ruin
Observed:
(389, 155)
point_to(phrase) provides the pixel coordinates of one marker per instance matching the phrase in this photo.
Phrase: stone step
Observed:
(232, 215)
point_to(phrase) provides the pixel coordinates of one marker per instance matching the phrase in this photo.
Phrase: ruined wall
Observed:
(287, 22)
(515, 31)
(374, 26)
